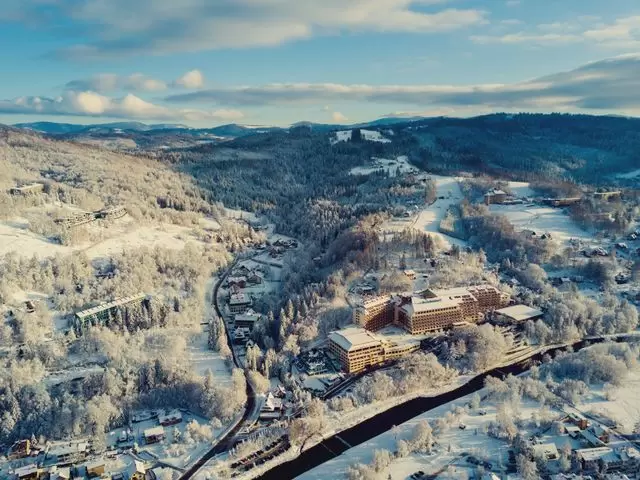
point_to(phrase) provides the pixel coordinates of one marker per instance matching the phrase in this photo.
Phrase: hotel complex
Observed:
(428, 311)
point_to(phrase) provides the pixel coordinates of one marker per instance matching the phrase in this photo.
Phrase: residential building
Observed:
(495, 196)
(30, 189)
(102, 314)
(239, 302)
(599, 458)
(136, 471)
(410, 274)
(374, 313)
(172, 418)
(247, 319)
(96, 468)
(20, 449)
(356, 348)
(153, 435)
(59, 473)
(518, 313)
(430, 310)
(29, 472)
(545, 451)
(66, 454)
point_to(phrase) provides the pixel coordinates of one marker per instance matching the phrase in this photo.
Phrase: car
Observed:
(462, 426)
(482, 412)
(473, 460)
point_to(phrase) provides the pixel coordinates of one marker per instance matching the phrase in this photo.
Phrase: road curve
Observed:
(224, 443)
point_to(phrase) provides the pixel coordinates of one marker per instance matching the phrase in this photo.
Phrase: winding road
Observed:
(226, 442)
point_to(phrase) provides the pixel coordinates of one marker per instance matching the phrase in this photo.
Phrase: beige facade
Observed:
(434, 310)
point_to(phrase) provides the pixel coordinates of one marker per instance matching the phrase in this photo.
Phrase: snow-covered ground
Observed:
(391, 167)
(542, 219)
(628, 175)
(622, 405)
(120, 235)
(521, 189)
(430, 216)
(369, 135)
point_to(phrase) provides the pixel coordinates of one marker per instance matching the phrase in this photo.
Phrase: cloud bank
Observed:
(92, 104)
(169, 26)
(609, 85)
(137, 82)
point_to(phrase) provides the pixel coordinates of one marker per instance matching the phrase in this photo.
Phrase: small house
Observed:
(172, 418)
(137, 471)
(545, 451)
(153, 435)
(411, 274)
(96, 468)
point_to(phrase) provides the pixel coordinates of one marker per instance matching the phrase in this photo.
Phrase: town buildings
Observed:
(101, 314)
(495, 196)
(430, 310)
(357, 348)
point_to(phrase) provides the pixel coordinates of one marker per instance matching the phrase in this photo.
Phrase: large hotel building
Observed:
(425, 312)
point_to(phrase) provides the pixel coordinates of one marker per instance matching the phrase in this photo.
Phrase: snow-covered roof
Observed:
(354, 337)
(545, 450)
(429, 305)
(154, 431)
(106, 306)
(27, 470)
(239, 299)
(520, 312)
(605, 454)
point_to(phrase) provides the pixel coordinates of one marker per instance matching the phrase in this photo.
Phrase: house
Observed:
(545, 451)
(410, 274)
(240, 281)
(601, 433)
(572, 430)
(28, 472)
(254, 279)
(66, 454)
(495, 196)
(599, 459)
(272, 407)
(57, 473)
(241, 271)
(20, 449)
(247, 319)
(239, 302)
(153, 435)
(241, 335)
(578, 420)
(136, 471)
(96, 468)
(172, 418)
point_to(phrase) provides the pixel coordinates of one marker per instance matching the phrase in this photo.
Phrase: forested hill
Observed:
(581, 147)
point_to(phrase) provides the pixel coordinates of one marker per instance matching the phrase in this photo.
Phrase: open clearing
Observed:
(542, 219)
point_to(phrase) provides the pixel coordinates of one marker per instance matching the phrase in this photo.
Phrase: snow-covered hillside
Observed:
(369, 135)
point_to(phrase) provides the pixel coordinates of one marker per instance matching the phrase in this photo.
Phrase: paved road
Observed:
(226, 442)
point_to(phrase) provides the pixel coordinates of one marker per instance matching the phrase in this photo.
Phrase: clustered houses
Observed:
(357, 349)
(431, 310)
(594, 453)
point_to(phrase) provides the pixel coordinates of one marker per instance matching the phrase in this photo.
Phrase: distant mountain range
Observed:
(232, 130)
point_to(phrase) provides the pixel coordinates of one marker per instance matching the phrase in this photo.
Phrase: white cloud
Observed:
(123, 27)
(608, 85)
(191, 79)
(623, 34)
(94, 104)
(512, 3)
(338, 117)
(107, 82)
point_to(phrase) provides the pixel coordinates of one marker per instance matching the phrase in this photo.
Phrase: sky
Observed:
(276, 62)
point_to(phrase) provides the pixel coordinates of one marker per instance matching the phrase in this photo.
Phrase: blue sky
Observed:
(207, 62)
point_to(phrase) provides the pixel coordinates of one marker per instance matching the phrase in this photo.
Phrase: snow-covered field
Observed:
(369, 135)
(623, 405)
(430, 216)
(542, 219)
(391, 167)
(521, 189)
(121, 235)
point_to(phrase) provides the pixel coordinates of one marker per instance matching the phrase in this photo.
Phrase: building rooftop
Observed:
(545, 450)
(599, 453)
(154, 431)
(520, 312)
(353, 337)
(420, 305)
(106, 306)
(239, 299)
(458, 291)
